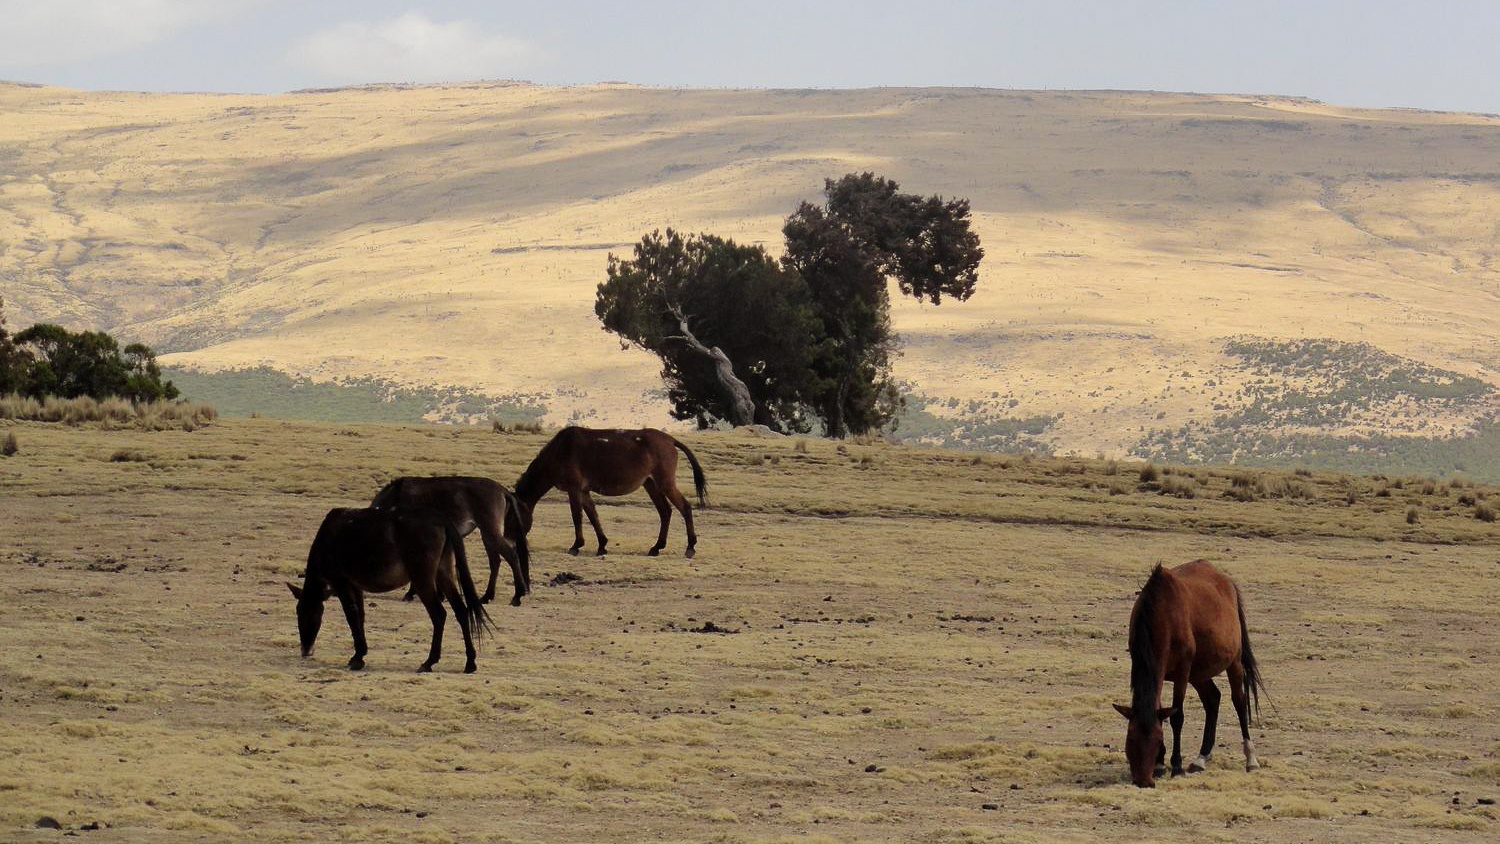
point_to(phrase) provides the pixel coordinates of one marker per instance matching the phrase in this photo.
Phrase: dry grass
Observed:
(109, 413)
(959, 627)
(11, 446)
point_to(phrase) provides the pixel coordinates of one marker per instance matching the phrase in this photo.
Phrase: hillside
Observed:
(909, 637)
(1154, 259)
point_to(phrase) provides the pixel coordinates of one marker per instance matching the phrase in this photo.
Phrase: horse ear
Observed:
(1166, 712)
(1122, 709)
(296, 591)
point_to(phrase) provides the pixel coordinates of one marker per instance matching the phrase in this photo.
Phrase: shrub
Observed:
(1240, 493)
(1304, 472)
(1112, 468)
(1468, 499)
(128, 455)
(1411, 515)
(1180, 487)
(10, 447)
(1484, 513)
(1150, 474)
(1117, 488)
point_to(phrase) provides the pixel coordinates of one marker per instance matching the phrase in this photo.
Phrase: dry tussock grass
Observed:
(110, 412)
(959, 627)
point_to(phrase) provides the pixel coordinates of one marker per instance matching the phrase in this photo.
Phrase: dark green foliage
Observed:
(846, 250)
(15, 362)
(736, 298)
(810, 337)
(49, 360)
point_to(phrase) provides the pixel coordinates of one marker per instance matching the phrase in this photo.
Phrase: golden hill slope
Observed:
(454, 235)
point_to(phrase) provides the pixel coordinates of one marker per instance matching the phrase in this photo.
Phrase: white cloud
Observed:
(412, 48)
(38, 33)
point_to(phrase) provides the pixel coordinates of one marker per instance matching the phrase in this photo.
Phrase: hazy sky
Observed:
(1437, 54)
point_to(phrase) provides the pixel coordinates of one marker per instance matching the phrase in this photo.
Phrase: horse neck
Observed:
(531, 486)
(1150, 640)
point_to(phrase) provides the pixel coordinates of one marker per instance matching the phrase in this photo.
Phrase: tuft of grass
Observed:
(801, 446)
(1484, 513)
(1303, 472)
(1412, 516)
(1117, 488)
(1468, 499)
(1112, 467)
(1180, 487)
(498, 426)
(1150, 474)
(11, 446)
(109, 412)
(128, 455)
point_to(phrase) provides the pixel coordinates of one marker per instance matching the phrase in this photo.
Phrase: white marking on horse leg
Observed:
(1251, 763)
(1199, 764)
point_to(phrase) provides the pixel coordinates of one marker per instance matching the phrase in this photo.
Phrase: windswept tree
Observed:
(743, 337)
(735, 330)
(868, 233)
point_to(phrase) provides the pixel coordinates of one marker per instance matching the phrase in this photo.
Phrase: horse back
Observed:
(375, 549)
(1209, 610)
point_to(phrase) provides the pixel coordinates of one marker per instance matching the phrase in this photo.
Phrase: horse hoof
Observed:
(1159, 770)
(516, 601)
(573, 551)
(652, 552)
(601, 552)
(689, 552)
(470, 668)
(424, 668)
(409, 596)
(1195, 768)
(356, 664)
(1177, 772)
(1252, 765)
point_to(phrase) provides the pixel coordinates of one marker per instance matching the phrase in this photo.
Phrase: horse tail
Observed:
(1253, 683)
(478, 619)
(516, 524)
(700, 483)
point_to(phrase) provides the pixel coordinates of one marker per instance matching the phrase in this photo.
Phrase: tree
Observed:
(15, 362)
(742, 336)
(867, 233)
(735, 330)
(89, 363)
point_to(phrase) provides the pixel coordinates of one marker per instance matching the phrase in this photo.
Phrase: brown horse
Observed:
(1188, 626)
(360, 550)
(580, 461)
(469, 503)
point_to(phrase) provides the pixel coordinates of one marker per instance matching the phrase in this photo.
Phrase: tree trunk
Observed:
(741, 407)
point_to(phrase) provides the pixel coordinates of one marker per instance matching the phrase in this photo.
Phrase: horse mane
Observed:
(1144, 664)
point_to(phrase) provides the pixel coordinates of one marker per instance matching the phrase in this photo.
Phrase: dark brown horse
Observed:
(1188, 626)
(580, 461)
(370, 550)
(469, 503)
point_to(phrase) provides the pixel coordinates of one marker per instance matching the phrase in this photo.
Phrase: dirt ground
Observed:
(924, 647)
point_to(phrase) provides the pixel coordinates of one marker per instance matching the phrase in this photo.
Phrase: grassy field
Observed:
(916, 634)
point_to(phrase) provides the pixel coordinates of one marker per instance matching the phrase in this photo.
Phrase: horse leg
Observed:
(434, 604)
(576, 506)
(353, 601)
(1209, 694)
(677, 498)
(663, 510)
(593, 514)
(1241, 699)
(1179, 694)
(519, 578)
(460, 609)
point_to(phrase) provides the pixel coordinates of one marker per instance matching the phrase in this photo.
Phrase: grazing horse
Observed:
(467, 503)
(580, 461)
(1188, 626)
(360, 550)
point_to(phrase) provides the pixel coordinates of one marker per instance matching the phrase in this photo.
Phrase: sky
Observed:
(1436, 54)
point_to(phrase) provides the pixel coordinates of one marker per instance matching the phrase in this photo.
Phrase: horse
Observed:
(580, 461)
(468, 503)
(360, 550)
(1188, 626)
